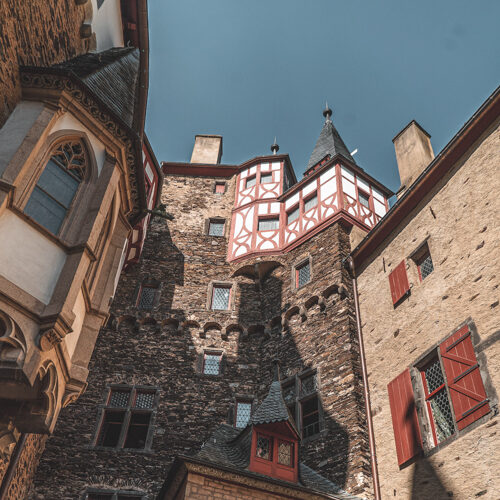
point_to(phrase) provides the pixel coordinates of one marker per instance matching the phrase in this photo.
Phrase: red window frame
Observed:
(271, 447)
(292, 453)
(228, 300)
(398, 282)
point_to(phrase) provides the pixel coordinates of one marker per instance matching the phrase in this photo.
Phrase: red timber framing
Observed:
(280, 459)
(404, 418)
(463, 377)
(398, 281)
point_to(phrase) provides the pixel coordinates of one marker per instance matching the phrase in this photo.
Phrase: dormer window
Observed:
(285, 453)
(251, 181)
(264, 447)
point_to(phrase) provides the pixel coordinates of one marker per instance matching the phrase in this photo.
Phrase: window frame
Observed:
(142, 286)
(220, 183)
(113, 492)
(295, 208)
(251, 178)
(213, 286)
(216, 220)
(263, 218)
(297, 268)
(266, 174)
(104, 407)
(238, 401)
(362, 192)
(270, 438)
(308, 198)
(209, 352)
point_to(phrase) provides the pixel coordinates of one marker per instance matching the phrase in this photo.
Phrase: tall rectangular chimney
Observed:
(413, 153)
(207, 149)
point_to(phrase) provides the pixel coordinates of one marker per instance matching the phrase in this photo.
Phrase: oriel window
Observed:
(268, 223)
(266, 178)
(251, 181)
(310, 202)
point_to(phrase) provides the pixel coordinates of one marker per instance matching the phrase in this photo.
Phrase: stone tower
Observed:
(245, 267)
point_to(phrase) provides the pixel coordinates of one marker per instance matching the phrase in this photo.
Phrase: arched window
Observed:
(52, 196)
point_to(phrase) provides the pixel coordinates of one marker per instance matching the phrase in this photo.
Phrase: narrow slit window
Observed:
(211, 363)
(310, 202)
(269, 224)
(251, 181)
(266, 178)
(220, 298)
(292, 215)
(216, 228)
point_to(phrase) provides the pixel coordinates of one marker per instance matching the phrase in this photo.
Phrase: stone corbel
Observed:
(52, 331)
(73, 390)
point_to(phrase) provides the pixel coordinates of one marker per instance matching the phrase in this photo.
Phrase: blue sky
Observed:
(250, 70)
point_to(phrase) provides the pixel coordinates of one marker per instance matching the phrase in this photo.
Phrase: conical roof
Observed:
(329, 143)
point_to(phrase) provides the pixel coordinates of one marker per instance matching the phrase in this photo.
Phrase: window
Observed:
(126, 418)
(243, 413)
(52, 196)
(310, 202)
(220, 188)
(216, 228)
(285, 453)
(221, 297)
(454, 396)
(211, 363)
(293, 215)
(269, 224)
(146, 297)
(264, 447)
(301, 397)
(97, 494)
(303, 274)
(423, 260)
(364, 198)
(251, 181)
(266, 178)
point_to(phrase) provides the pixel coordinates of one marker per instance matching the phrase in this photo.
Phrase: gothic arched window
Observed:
(52, 196)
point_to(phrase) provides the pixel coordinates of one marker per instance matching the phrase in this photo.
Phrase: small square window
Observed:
(146, 297)
(220, 298)
(303, 274)
(266, 178)
(269, 224)
(424, 263)
(264, 448)
(311, 202)
(364, 199)
(293, 215)
(285, 453)
(243, 413)
(216, 228)
(211, 363)
(251, 181)
(220, 188)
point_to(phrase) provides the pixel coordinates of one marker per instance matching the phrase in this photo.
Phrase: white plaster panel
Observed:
(29, 259)
(249, 220)
(238, 223)
(293, 200)
(276, 166)
(267, 245)
(258, 239)
(275, 208)
(276, 239)
(240, 251)
(265, 167)
(328, 188)
(309, 188)
(244, 173)
(347, 173)
(379, 208)
(263, 208)
(348, 188)
(68, 121)
(107, 24)
(252, 170)
(378, 195)
(291, 237)
(309, 225)
(327, 175)
(363, 185)
(242, 185)
(79, 310)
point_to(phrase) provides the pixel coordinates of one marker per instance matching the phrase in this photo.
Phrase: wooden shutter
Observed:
(398, 281)
(404, 417)
(461, 368)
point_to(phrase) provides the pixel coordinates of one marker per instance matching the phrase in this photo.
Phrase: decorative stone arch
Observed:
(172, 325)
(233, 327)
(210, 325)
(50, 404)
(12, 342)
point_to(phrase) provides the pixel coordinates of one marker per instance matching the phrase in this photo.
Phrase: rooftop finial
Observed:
(276, 370)
(327, 113)
(275, 148)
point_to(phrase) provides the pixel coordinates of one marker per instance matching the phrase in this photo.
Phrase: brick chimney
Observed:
(413, 153)
(207, 149)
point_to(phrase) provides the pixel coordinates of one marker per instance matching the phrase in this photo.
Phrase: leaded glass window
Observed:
(147, 296)
(119, 398)
(243, 412)
(144, 399)
(269, 224)
(425, 265)
(216, 228)
(211, 364)
(285, 453)
(308, 385)
(264, 448)
(220, 297)
(51, 198)
(293, 215)
(311, 202)
(303, 275)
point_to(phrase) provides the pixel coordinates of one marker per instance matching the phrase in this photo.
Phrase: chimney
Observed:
(207, 149)
(413, 153)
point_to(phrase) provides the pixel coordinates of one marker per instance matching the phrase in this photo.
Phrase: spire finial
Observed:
(275, 148)
(276, 370)
(327, 113)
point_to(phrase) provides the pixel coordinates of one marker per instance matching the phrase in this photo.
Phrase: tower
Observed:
(247, 268)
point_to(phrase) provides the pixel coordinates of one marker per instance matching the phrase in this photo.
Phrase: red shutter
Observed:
(399, 282)
(404, 417)
(464, 378)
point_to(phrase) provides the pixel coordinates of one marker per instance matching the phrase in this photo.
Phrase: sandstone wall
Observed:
(460, 219)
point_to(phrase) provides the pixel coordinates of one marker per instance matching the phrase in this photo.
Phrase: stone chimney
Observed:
(413, 154)
(207, 149)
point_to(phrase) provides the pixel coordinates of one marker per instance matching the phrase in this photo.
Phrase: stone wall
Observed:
(459, 219)
(308, 328)
(35, 33)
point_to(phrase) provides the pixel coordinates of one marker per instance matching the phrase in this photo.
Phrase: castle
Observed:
(268, 337)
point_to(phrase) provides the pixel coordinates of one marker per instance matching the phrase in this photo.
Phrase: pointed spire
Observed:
(329, 142)
(275, 148)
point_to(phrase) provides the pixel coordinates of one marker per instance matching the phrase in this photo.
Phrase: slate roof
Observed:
(112, 75)
(230, 447)
(329, 143)
(273, 408)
